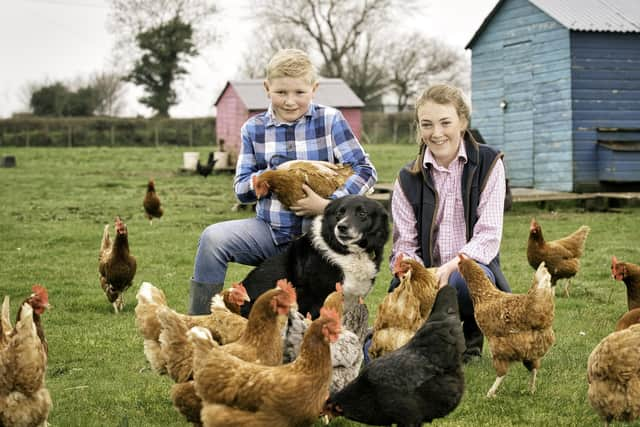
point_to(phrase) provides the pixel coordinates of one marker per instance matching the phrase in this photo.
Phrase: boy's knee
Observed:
(210, 237)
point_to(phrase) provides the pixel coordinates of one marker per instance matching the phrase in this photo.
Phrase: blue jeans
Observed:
(245, 241)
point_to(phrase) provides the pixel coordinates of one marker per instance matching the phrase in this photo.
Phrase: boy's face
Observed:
(290, 96)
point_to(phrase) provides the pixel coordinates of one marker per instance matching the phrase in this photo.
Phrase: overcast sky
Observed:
(50, 40)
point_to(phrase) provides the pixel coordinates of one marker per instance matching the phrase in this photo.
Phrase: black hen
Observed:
(206, 169)
(415, 384)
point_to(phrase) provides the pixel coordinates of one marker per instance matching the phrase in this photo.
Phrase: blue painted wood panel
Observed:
(523, 57)
(605, 71)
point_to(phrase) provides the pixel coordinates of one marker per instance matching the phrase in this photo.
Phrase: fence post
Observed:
(69, 135)
(155, 127)
(190, 134)
(395, 131)
(112, 135)
(27, 135)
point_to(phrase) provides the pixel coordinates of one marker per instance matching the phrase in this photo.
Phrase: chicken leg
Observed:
(494, 387)
(532, 384)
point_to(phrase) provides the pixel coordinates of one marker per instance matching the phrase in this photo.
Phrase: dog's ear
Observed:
(379, 233)
(333, 206)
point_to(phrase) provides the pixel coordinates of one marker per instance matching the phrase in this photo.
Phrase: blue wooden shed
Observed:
(555, 84)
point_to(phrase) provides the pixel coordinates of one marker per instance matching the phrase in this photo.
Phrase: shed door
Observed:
(518, 114)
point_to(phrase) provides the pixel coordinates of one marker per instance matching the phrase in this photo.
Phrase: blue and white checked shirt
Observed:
(321, 134)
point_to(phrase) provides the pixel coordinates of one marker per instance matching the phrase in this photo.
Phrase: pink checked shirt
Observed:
(450, 234)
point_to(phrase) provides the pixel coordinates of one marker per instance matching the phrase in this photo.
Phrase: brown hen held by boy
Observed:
(286, 181)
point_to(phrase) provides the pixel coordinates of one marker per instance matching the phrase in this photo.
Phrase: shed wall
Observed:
(605, 71)
(522, 57)
(229, 120)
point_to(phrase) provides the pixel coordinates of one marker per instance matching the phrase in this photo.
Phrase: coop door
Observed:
(517, 113)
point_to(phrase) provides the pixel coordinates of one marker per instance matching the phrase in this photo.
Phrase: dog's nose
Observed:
(342, 228)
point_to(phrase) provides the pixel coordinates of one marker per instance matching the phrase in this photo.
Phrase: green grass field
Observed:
(57, 201)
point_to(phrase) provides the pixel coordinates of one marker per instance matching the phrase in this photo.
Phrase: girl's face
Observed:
(441, 129)
(290, 97)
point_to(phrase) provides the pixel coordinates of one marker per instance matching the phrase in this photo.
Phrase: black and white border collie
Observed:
(345, 245)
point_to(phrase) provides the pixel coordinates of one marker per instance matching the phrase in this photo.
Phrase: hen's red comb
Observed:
(329, 313)
(397, 265)
(286, 286)
(41, 292)
(239, 287)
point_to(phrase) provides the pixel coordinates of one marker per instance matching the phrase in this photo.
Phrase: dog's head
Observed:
(356, 221)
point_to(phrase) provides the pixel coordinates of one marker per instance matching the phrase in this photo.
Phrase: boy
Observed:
(293, 128)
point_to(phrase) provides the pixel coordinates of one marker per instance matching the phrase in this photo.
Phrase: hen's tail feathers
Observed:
(201, 341)
(5, 318)
(174, 345)
(217, 303)
(542, 278)
(575, 241)
(149, 294)
(28, 372)
(106, 241)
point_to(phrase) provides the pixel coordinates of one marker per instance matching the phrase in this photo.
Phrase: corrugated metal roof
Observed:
(331, 92)
(583, 15)
(619, 16)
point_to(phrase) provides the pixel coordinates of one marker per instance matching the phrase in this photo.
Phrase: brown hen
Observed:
(151, 203)
(286, 181)
(238, 393)
(224, 321)
(613, 373)
(260, 342)
(116, 265)
(404, 310)
(518, 327)
(629, 274)
(562, 256)
(24, 398)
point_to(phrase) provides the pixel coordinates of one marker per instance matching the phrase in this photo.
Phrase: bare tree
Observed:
(367, 72)
(254, 62)
(415, 65)
(341, 34)
(111, 91)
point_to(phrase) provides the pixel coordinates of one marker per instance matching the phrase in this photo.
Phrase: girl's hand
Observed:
(444, 271)
(313, 204)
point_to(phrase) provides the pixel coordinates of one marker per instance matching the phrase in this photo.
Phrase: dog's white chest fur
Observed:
(357, 266)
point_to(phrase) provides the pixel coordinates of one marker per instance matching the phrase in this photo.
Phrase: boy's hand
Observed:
(313, 204)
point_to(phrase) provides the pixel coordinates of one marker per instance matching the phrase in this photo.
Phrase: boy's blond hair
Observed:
(291, 63)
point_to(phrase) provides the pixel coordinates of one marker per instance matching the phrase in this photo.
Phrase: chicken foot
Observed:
(567, 285)
(494, 387)
(118, 304)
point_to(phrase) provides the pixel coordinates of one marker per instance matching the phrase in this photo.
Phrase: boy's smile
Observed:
(290, 96)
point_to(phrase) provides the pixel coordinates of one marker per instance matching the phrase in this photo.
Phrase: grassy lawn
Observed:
(54, 207)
